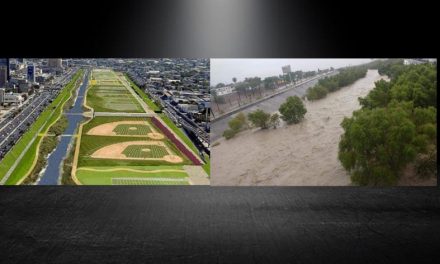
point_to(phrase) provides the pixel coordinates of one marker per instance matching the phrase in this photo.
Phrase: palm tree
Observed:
(215, 98)
(234, 79)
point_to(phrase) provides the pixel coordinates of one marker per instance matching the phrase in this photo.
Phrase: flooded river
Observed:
(295, 155)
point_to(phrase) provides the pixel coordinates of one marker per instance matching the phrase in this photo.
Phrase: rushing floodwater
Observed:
(302, 154)
(74, 116)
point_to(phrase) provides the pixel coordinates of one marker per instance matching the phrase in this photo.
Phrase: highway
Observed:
(14, 126)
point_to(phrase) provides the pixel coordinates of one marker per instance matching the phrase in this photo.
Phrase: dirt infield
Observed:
(108, 129)
(115, 151)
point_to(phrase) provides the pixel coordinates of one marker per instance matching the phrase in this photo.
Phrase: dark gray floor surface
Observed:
(219, 225)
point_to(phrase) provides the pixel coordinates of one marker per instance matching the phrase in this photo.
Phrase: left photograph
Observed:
(105, 121)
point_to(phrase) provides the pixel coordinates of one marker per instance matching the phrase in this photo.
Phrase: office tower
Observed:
(31, 73)
(3, 75)
(5, 62)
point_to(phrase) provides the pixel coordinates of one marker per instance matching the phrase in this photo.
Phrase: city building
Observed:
(31, 73)
(419, 61)
(54, 63)
(42, 78)
(223, 90)
(2, 95)
(23, 85)
(3, 76)
(4, 62)
(10, 98)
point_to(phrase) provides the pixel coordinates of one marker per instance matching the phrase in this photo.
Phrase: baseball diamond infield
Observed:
(138, 150)
(126, 128)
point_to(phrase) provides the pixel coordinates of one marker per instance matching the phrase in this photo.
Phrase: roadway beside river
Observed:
(269, 104)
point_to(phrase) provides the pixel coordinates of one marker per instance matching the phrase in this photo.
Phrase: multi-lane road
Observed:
(15, 125)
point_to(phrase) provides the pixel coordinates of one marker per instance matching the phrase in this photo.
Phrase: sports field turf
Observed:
(108, 94)
(133, 175)
(112, 99)
(142, 94)
(89, 144)
(100, 120)
(135, 129)
(145, 151)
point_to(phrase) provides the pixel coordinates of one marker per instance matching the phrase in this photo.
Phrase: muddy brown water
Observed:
(297, 155)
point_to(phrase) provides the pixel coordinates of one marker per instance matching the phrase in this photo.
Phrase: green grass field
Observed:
(112, 99)
(207, 166)
(145, 151)
(133, 175)
(179, 132)
(103, 75)
(148, 181)
(130, 130)
(141, 93)
(108, 94)
(46, 118)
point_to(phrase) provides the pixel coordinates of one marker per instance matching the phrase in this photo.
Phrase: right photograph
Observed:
(323, 122)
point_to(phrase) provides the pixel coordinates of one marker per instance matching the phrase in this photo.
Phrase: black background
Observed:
(219, 225)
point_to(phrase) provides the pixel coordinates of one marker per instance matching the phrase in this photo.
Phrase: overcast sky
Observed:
(222, 70)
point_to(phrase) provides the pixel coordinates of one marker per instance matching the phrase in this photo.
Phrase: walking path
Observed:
(196, 175)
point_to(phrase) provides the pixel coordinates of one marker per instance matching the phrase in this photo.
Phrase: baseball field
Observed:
(126, 150)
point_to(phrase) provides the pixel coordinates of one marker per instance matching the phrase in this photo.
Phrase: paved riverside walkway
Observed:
(196, 175)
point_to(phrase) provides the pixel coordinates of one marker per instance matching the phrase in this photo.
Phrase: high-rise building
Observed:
(8, 70)
(31, 73)
(5, 62)
(55, 63)
(3, 76)
(2, 95)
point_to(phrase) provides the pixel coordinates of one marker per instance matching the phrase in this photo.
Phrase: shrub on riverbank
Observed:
(345, 77)
(66, 174)
(59, 127)
(293, 110)
(236, 124)
(47, 145)
(259, 118)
